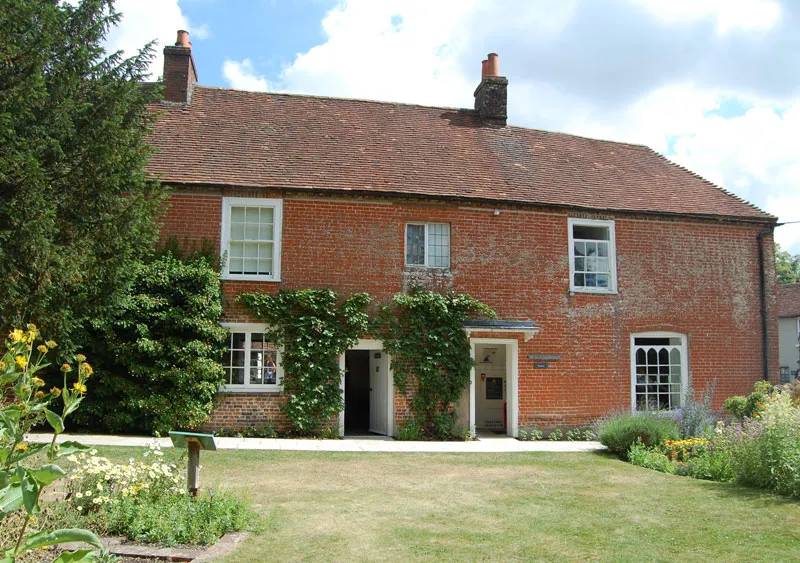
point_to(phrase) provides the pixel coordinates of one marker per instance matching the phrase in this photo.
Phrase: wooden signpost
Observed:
(194, 442)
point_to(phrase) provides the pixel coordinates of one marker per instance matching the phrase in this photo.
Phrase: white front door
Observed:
(378, 392)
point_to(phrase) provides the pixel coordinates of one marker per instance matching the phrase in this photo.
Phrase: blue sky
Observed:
(712, 84)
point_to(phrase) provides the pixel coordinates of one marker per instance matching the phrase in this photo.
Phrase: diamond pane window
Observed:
(428, 244)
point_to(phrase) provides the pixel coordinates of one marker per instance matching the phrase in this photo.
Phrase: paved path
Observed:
(498, 444)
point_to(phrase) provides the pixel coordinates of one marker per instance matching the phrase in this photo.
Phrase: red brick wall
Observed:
(693, 277)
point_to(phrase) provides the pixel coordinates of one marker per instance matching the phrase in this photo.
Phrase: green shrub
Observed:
(529, 434)
(555, 435)
(159, 360)
(651, 458)
(409, 431)
(175, 519)
(735, 406)
(621, 431)
(714, 464)
(740, 407)
(766, 452)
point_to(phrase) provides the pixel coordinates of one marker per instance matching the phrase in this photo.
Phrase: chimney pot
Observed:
(183, 39)
(491, 95)
(493, 66)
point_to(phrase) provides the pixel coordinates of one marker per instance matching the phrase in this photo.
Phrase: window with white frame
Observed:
(251, 238)
(592, 257)
(428, 244)
(659, 371)
(251, 362)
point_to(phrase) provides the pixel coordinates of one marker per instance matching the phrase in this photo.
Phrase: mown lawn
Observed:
(493, 507)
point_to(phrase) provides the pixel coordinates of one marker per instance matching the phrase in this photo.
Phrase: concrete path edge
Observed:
(499, 444)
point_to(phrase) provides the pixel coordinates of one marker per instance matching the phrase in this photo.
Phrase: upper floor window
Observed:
(592, 256)
(251, 238)
(428, 244)
(251, 362)
(659, 371)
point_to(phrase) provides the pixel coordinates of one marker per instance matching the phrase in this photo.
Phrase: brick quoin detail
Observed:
(690, 276)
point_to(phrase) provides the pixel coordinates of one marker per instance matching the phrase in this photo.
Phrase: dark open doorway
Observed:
(356, 392)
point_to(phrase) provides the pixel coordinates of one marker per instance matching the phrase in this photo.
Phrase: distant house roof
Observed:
(789, 300)
(264, 140)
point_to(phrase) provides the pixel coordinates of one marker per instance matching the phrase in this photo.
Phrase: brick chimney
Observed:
(491, 95)
(180, 74)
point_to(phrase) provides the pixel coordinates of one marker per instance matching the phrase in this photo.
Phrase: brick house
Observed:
(619, 278)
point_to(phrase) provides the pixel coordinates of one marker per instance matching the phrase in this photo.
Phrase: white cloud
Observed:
(242, 76)
(404, 51)
(150, 20)
(755, 156)
(748, 15)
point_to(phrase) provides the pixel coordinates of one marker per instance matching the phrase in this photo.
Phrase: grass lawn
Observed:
(323, 506)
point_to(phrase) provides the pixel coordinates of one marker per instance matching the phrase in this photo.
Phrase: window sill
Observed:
(434, 269)
(580, 291)
(236, 277)
(273, 389)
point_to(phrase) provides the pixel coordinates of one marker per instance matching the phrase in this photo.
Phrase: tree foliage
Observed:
(158, 360)
(424, 333)
(314, 329)
(76, 209)
(787, 267)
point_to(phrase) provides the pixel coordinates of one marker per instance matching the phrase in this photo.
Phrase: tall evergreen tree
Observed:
(76, 208)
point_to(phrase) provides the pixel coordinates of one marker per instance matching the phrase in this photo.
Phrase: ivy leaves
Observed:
(313, 327)
(423, 331)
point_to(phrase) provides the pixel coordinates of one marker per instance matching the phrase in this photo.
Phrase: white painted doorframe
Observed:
(376, 345)
(512, 374)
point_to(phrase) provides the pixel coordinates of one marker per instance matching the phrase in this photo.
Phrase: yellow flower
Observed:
(16, 335)
(31, 335)
(51, 343)
(2, 364)
(55, 392)
(30, 326)
(22, 361)
(37, 381)
(22, 447)
(79, 387)
(40, 394)
(80, 358)
(66, 367)
(86, 369)
(42, 348)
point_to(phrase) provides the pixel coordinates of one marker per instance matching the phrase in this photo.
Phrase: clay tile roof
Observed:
(789, 300)
(249, 139)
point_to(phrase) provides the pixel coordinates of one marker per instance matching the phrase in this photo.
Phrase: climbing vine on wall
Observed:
(313, 327)
(423, 331)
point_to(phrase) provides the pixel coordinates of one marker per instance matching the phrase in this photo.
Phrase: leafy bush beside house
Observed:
(159, 358)
(621, 431)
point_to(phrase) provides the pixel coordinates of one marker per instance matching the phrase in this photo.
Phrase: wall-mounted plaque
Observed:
(544, 357)
(541, 365)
